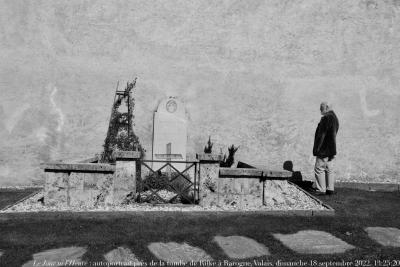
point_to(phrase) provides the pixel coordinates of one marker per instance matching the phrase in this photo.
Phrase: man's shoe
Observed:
(316, 192)
(330, 192)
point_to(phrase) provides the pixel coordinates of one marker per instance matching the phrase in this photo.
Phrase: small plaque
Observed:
(171, 106)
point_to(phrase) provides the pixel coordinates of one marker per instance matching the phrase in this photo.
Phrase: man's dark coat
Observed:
(325, 136)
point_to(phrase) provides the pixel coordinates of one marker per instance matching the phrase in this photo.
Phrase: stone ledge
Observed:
(209, 157)
(253, 173)
(77, 167)
(126, 155)
(94, 159)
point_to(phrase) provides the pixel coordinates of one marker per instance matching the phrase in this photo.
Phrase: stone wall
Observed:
(91, 184)
(237, 188)
(79, 185)
(252, 73)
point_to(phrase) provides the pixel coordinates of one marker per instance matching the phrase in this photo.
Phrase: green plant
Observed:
(228, 161)
(155, 181)
(120, 134)
(208, 148)
(162, 180)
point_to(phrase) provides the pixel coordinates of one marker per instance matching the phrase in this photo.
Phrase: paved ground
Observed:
(313, 242)
(241, 247)
(386, 236)
(58, 256)
(234, 247)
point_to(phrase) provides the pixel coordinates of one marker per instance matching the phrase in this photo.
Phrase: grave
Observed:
(169, 133)
(128, 178)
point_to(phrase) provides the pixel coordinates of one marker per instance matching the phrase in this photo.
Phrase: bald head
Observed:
(325, 107)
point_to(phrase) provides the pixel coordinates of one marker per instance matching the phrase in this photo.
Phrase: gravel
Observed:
(293, 199)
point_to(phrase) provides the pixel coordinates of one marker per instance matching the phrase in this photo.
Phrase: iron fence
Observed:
(167, 184)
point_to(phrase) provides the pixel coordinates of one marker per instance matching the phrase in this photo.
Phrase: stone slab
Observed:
(84, 167)
(241, 247)
(90, 189)
(126, 155)
(254, 173)
(170, 133)
(313, 242)
(203, 157)
(239, 186)
(174, 253)
(240, 172)
(386, 236)
(122, 255)
(67, 255)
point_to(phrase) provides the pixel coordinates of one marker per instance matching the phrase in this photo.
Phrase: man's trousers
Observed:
(324, 179)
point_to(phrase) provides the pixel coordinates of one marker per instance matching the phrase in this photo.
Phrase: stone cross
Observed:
(169, 156)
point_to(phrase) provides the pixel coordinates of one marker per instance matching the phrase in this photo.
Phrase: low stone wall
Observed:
(91, 184)
(239, 188)
(78, 184)
(95, 184)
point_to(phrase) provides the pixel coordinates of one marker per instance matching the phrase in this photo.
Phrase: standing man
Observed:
(325, 150)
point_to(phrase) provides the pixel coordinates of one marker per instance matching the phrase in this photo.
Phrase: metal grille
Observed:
(167, 184)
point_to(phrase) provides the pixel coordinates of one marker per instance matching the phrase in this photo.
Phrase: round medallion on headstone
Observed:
(171, 106)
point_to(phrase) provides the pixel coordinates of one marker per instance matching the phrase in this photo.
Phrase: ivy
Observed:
(120, 134)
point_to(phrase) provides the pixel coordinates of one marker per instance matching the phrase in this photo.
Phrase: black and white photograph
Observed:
(221, 133)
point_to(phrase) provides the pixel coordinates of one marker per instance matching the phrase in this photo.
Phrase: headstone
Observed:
(170, 134)
(313, 242)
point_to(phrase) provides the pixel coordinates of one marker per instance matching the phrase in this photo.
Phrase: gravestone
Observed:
(170, 134)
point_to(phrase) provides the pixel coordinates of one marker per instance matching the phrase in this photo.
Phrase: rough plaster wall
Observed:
(252, 73)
